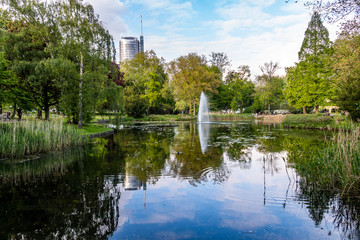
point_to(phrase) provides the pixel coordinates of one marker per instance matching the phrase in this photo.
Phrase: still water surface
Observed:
(175, 181)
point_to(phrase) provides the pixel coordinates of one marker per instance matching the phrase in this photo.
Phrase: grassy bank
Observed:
(89, 129)
(335, 166)
(28, 137)
(172, 118)
(149, 118)
(230, 117)
(316, 121)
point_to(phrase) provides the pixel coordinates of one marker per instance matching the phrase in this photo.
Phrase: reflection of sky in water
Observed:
(233, 209)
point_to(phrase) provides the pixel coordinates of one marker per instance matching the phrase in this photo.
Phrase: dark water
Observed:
(183, 181)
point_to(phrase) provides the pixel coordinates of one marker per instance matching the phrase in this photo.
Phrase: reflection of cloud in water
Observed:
(204, 131)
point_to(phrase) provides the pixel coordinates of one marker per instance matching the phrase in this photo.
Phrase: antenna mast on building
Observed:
(141, 45)
(141, 26)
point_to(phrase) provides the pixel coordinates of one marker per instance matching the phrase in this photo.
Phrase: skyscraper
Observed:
(130, 46)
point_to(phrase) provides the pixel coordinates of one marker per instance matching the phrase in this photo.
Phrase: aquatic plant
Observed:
(29, 137)
(335, 166)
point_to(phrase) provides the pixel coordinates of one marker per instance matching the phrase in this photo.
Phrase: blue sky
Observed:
(250, 32)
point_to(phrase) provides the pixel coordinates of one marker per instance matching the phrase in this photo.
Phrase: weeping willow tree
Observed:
(69, 38)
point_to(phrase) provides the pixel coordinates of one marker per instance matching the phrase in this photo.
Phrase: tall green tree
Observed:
(316, 41)
(90, 46)
(309, 83)
(147, 89)
(190, 76)
(346, 64)
(269, 86)
(45, 33)
(236, 92)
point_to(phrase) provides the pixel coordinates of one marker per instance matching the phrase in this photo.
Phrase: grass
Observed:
(230, 117)
(317, 121)
(307, 121)
(28, 137)
(89, 129)
(335, 166)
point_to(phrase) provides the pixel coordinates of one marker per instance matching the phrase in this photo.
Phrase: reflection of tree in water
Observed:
(75, 202)
(145, 150)
(343, 209)
(190, 163)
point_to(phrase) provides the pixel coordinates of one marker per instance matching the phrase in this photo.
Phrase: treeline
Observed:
(59, 55)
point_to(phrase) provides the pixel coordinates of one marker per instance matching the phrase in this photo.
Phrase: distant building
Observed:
(130, 46)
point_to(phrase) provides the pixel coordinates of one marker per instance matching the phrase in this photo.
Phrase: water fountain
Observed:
(203, 115)
(203, 120)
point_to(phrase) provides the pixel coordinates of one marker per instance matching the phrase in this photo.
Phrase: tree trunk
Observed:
(269, 107)
(47, 112)
(80, 93)
(0, 108)
(194, 108)
(304, 109)
(316, 109)
(46, 107)
(39, 114)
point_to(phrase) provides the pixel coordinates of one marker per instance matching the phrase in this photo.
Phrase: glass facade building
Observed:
(130, 46)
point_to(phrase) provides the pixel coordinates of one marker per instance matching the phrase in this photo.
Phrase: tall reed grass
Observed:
(337, 165)
(29, 137)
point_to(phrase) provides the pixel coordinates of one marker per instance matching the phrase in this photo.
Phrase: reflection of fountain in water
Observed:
(203, 119)
(203, 115)
(204, 131)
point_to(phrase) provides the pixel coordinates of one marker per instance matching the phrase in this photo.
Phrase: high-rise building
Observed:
(130, 46)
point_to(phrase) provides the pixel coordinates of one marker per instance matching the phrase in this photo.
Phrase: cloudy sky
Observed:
(250, 32)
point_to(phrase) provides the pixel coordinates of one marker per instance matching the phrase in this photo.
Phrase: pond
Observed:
(224, 180)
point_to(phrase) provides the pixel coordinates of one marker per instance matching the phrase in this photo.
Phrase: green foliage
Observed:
(145, 75)
(335, 166)
(237, 92)
(346, 62)
(269, 86)
(135, 105)
(316, 41)
(190, 76)
(68, 35)
(308, 84)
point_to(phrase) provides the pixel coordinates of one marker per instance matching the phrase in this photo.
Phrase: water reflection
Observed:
(60, 197)
(204, 130)
(220, 181)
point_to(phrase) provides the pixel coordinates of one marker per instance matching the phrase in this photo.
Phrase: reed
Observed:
(34, 136)
(337, 165)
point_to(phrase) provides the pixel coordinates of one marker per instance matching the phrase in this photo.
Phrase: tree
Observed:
(316, 41)
(237, 92)
(219, 60)
(269, 86)
(146, 85)
(346, 63)
(43, 34)
(347, 11)
(190, 76)
(90, 46)
(309, 83)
